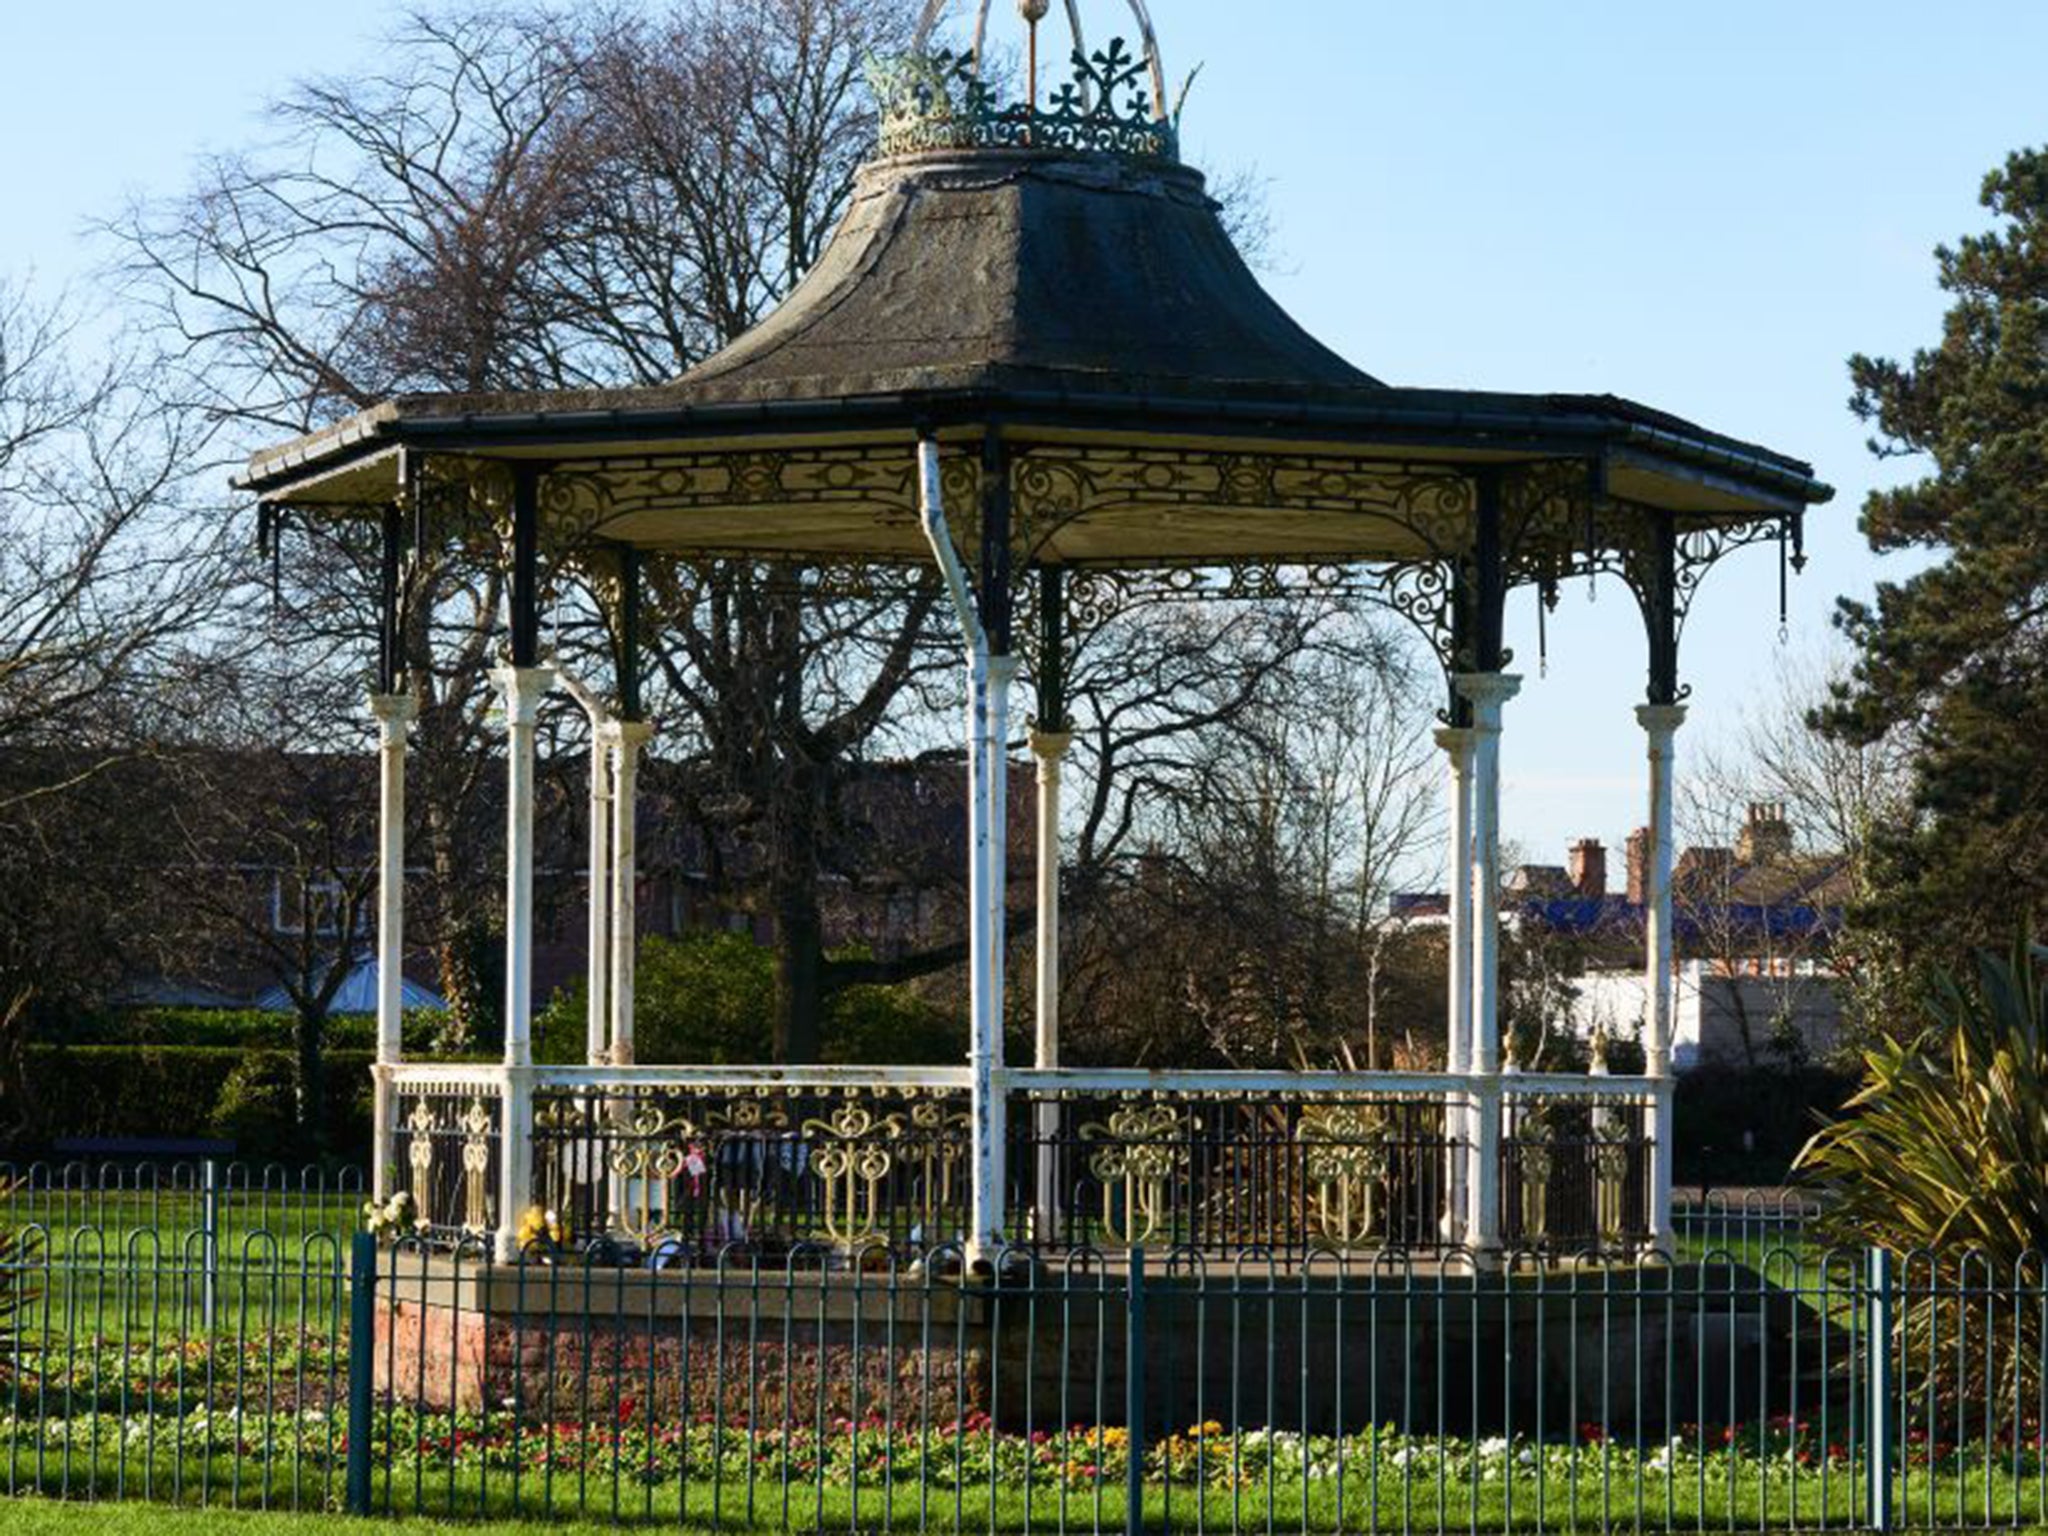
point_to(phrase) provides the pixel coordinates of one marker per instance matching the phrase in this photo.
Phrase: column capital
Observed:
(1660, 719)
(1455, 739)
(1002, 669)
(1484, 688)
(1049, 746)
(394, 710)
(628, 735)
(523, 689)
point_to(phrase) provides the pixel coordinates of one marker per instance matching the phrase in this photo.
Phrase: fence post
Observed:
(362, 1349)
(209, 1241)
(1134, 1393)
(1877, 1376)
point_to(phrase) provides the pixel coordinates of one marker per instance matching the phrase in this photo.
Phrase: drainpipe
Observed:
(988, 687)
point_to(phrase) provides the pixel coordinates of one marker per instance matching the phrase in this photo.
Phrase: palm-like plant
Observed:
(1945, 1146)
(1942, 1157)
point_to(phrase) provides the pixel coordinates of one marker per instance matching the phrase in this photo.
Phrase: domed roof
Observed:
(998, 270)
(1048, 271)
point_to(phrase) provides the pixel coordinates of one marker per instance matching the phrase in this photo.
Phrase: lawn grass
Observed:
(1416, 1505)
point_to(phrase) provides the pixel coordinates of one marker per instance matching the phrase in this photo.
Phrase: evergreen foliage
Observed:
(1955, 655)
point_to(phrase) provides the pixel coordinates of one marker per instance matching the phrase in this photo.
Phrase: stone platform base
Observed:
(1484, 1357)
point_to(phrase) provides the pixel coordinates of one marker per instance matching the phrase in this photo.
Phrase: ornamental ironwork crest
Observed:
(937, 101)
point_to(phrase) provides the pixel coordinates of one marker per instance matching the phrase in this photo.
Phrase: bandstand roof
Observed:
(1077, 295)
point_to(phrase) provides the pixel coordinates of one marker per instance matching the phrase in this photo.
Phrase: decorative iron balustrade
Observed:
(678, 1163)
(446, 1146)
(687, 1171)
(1223, 1172)
(1575, 1173)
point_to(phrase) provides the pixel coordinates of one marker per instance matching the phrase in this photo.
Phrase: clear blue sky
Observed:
(1707, 208)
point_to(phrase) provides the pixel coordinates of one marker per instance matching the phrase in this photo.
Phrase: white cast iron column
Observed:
(1660, 723)
(394, 712)
(627, 738)
(523, 688)
(1487, 692)
(598, 971)
(1049, 748)
(1457, 744)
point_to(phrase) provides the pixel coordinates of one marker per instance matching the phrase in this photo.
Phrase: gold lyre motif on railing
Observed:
(852, 1159)
(1347, 1160)
(1610, 1176)
(646, 1167)
(1144, 1145)
(477, 1125)
(1535, 1160)
(420, 1153)
(570, 1153)
(941, 1133)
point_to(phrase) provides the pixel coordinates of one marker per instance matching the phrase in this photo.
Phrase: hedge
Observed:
(233, 1028)
(1717, 1109)
(174, 1091)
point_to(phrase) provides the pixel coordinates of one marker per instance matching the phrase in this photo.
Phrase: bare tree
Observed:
(1248, 797)
(1833, 794)
(531, 198)
(110, 578)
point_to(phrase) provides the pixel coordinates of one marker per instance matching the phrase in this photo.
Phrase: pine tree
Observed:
(1955, 656)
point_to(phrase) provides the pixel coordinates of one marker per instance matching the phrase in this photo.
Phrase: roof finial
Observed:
(937, 100)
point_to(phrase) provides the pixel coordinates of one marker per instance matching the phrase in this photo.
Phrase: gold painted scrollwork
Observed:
(851, 1155)
(1144, 1146)
(478, 1124)
(652, 1153)
(419, 1126)
(1347, 1159)
(1610, 1177)
(1537, 1159)
(940, 1133)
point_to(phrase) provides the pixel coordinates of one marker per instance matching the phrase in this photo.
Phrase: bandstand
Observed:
(1031, 360)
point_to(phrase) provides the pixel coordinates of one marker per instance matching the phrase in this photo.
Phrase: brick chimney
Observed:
(1766, 837)
(1587, 864)
(1639, 867)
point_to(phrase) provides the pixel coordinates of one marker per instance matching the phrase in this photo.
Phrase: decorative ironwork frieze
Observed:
(1419, 591)
(1428, 507)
